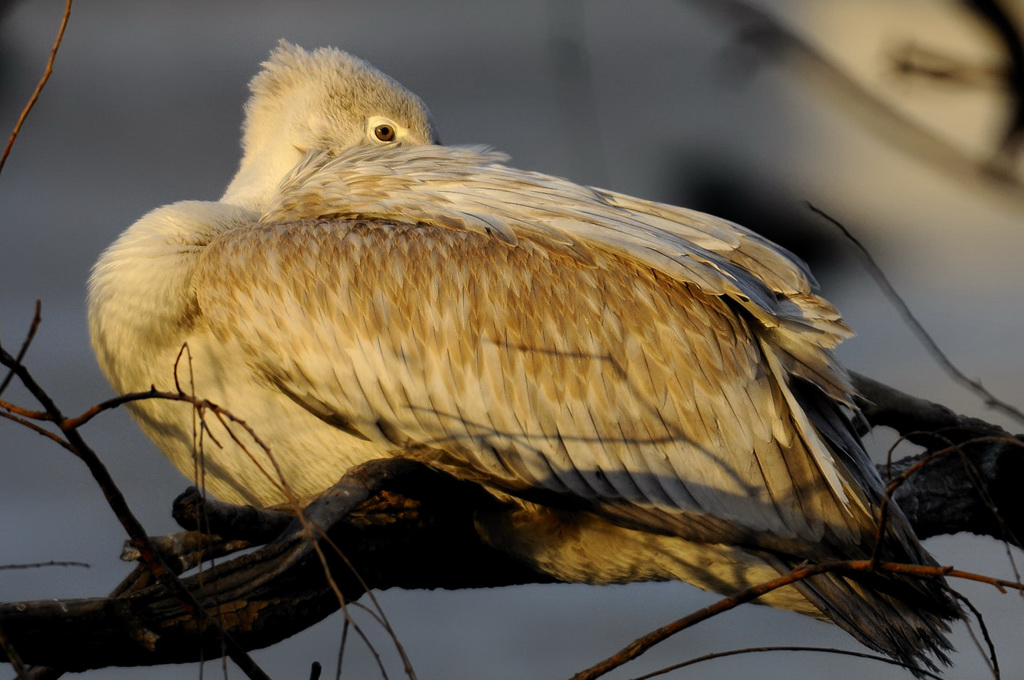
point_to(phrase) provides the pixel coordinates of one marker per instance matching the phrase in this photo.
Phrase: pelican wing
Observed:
(552, 341)
(471, 189)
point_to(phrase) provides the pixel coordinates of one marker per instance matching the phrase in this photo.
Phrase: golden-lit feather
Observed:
(459, 190)
(652, 389)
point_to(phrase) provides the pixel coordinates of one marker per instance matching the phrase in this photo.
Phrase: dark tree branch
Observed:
(400, 524)
(415, 531)
(969, 482)
(209, 627)
(193, 511)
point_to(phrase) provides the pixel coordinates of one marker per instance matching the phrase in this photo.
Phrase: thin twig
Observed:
(39, 86)
(35, 428)
(908, 316)
(642, 644)
(199, 474)
(785, 648)
(883, 509)
(898, 481)
(226, 419)
(223, 415)
(1009, 536)
(36, 320)
(137, 533)
(341, 646)
(311, 531)
(22, 412)
(51, 563)
(991, 660)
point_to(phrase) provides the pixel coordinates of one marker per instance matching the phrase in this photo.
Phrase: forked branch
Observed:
(414, 528)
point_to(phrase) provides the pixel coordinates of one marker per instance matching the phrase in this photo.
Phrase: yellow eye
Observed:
(384, 132)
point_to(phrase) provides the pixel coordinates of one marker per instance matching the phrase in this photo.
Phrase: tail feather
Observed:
(903, 616)
(887, 614)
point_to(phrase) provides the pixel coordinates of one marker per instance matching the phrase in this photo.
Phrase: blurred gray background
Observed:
(659, 98)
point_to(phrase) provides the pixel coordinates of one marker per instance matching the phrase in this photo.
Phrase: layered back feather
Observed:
(629, 376)
(757, 449)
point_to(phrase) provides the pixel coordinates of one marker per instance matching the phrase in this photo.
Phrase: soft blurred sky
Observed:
(144, 108)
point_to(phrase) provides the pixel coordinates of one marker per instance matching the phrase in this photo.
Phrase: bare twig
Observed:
(911, 320)
(413, 543)
(150, 556)
(39, 86)
(51, 563)
(784, 648)
(642, 644)
(364, 480)
(36, 319)
(990, 658)
(312, 533)
(952, 448)
(35, 428)
(419, 533)
(226, 419)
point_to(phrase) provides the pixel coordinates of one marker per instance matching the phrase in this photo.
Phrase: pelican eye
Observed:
(384, 132)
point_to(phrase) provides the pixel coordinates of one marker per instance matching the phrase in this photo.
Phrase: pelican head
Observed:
(325, 100)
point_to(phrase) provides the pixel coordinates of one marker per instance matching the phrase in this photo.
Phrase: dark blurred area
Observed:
(770, 210)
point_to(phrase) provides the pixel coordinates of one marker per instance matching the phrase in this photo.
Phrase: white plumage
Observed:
(651, 389)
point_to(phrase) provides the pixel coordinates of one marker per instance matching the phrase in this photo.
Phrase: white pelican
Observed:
(651, 389)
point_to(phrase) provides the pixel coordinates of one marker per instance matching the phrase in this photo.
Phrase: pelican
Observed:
(652, 391)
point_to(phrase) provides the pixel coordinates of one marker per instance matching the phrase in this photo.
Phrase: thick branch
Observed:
(418, 533)
(969, 480)
(414, 528)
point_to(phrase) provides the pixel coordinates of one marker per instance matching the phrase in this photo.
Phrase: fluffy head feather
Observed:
(326, 100)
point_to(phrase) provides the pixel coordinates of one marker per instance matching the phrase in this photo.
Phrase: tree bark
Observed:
(413, 527)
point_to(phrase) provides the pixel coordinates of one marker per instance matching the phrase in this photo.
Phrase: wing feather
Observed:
(473, 190)
(620, 387)
(534, 334)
